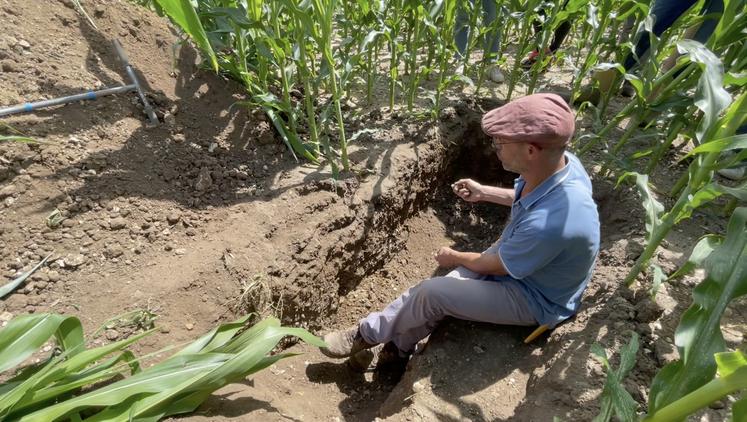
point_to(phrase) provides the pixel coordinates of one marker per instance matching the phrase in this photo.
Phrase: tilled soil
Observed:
(206, 217)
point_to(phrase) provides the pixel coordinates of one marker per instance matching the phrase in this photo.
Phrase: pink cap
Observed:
(544, 119)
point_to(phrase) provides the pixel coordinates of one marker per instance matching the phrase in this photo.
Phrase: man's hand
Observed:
(469, 190)
(482, 263)
(447, 257)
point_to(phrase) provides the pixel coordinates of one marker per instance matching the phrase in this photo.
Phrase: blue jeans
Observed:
(492, 42)
(666, 13)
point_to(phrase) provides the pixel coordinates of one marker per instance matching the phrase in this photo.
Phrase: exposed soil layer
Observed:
(206, 217)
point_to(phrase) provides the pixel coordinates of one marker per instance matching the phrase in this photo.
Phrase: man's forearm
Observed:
(500, 196)
(483, 263)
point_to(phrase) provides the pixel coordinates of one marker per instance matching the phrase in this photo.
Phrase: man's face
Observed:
(511, 153)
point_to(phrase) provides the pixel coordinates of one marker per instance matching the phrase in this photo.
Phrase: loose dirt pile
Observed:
(206, 217)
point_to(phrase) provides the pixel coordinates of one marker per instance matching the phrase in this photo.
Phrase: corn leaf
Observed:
(739, 411)
(720, 145)
(25, 334)
(710, 96)
(217, 337)
(658, 277)
(18, 391)
(707, 194)
(698, 336)
(179, 384)
(184, 14)
(152, 381)
(732, 369)
(38, 395)
(615, 399)
(7, 288)
(16, 138)
(705, 246)
(653, 208)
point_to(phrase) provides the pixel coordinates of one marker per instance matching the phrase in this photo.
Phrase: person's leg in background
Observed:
(461, 28)
(491, 42)
(559, 35)
(666, 13)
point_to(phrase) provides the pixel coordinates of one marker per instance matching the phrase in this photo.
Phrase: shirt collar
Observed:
(545, 187)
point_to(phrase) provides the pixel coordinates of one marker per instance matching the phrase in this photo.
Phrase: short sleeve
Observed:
(529, 249)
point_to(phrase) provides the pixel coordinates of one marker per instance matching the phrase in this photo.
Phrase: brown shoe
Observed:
(342, 344)
(390, 357)
(361, 361)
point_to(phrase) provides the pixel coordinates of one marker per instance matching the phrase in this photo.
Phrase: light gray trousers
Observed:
(462, 294)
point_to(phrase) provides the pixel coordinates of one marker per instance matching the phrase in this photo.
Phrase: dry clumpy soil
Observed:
(206, 217)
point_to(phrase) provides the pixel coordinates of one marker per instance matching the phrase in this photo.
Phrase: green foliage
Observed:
(14, 135)
(68, 384)
(183, 14)
(698, 336)
(12, 285)
(732, 376)
(615, 400)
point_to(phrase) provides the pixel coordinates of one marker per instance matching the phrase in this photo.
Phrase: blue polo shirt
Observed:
(551, 242)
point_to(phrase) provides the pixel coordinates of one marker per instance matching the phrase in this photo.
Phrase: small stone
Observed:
(53, 236)
(74, 261)
(647, 310)
(204, 180)
(112, 334)
(40, 276)
(6, 316)
(113, 250)
(173, 218)
(180, 251)
(417, 387)
(665, 351)
(24, 44)
(8, 65)
(167, 247)
(189, 326)
(191, 232)
(9, 190)
(53, 276)
(117, 223)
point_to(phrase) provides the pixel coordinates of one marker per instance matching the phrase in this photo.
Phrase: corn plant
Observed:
(732, 377)
(70, 384)
(687, 385)
(698, 336)
(716, 135)
(615, 400)
(14, 135)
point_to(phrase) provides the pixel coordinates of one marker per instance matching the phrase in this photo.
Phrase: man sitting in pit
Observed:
(538, 269)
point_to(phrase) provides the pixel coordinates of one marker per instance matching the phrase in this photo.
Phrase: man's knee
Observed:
(434, 294)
